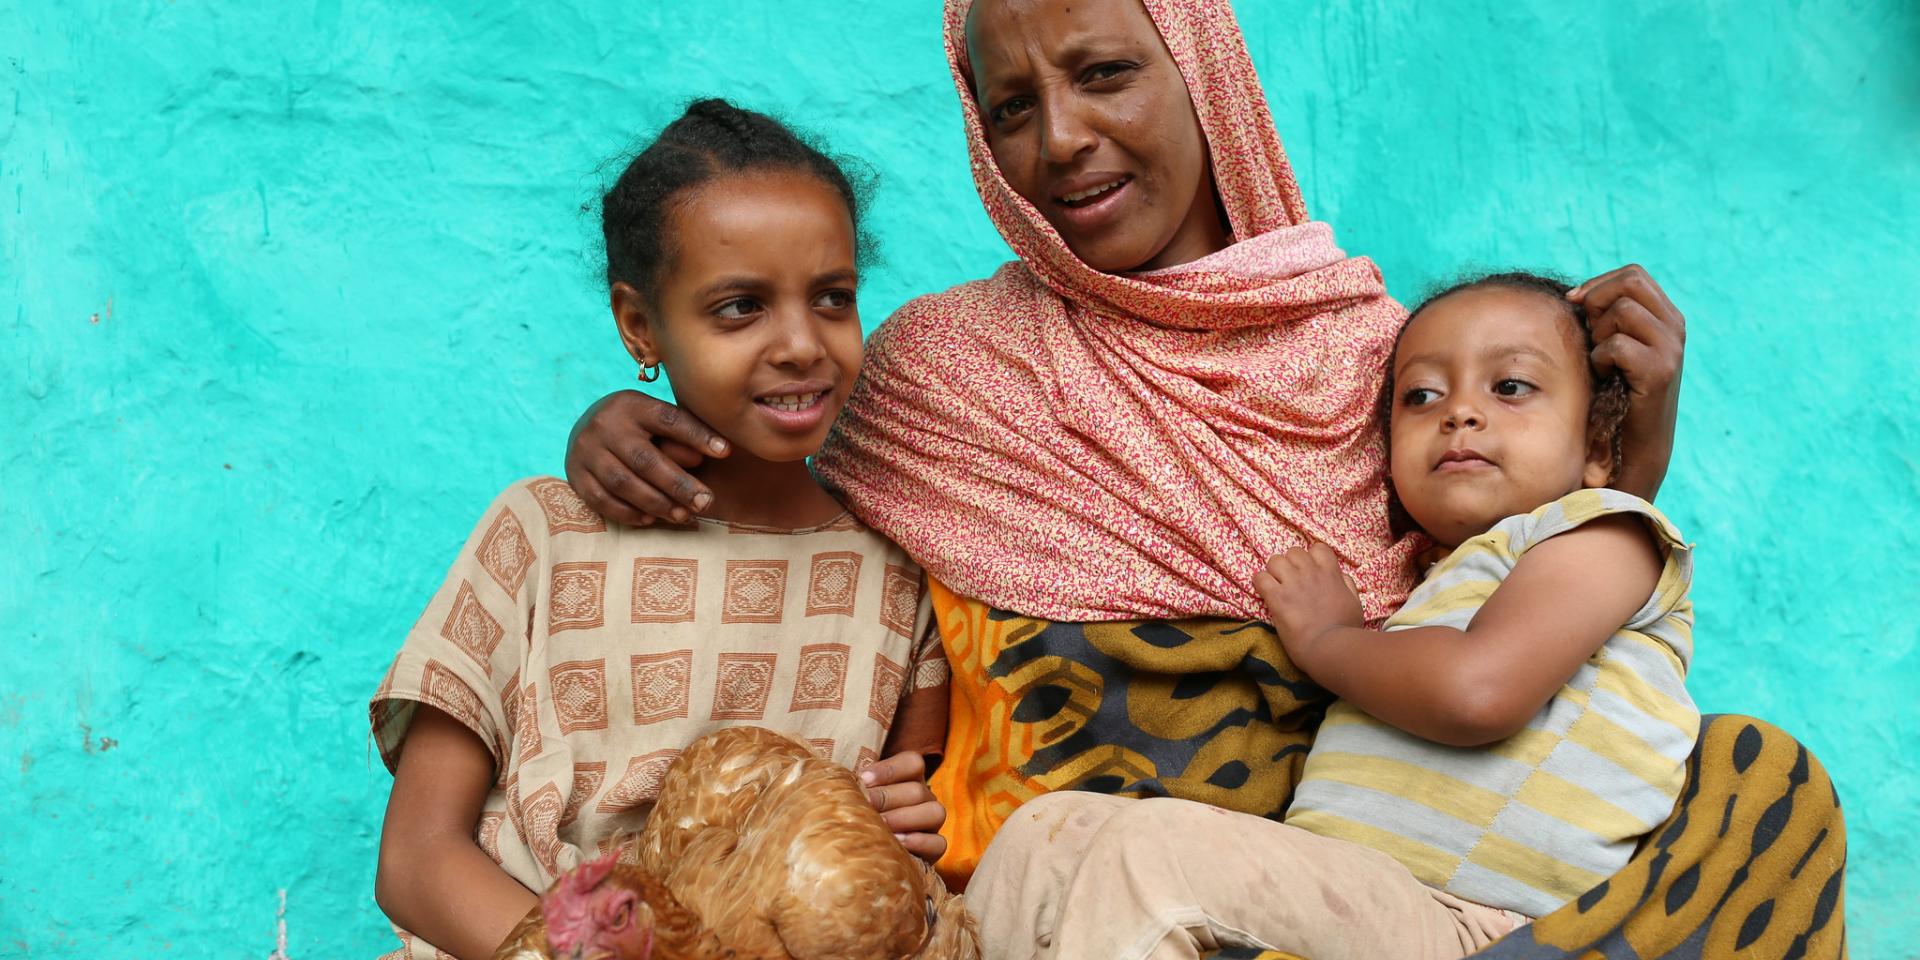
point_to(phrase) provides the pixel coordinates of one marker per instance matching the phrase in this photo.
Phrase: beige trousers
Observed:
(1084, 875)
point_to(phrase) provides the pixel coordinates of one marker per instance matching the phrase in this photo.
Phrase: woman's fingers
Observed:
(638, 449)
(669, 422)
(617, 477)
(1633, 283)
(600, 502)
(1643, 349)
(1631, 357)
(680, 453)
(658, 485)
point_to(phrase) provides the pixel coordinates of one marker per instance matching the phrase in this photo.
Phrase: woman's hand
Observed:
(897, 786)
(1307, 596)
(628, 459)
(1639, 332)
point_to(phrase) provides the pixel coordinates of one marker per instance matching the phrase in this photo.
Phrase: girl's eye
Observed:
(1513, 388)
(739, 308)
(1419, 396)
(835, 300)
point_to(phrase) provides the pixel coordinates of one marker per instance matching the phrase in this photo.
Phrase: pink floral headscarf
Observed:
(1075, 445)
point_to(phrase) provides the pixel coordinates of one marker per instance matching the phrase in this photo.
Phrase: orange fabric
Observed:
(1081, 446)
(979, 779)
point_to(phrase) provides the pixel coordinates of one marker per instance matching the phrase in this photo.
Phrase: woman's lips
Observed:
(1094, 205)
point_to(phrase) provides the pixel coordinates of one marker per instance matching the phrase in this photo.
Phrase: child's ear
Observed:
(630, 313)
(1598, 471)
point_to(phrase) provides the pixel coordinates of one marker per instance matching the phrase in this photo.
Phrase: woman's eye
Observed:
(1010, 109)
(739, 308)
(1107, 71)
(835, 299)
(1419, 396)
(1513, 388)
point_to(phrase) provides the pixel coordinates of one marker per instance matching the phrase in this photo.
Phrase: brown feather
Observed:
(775, 852)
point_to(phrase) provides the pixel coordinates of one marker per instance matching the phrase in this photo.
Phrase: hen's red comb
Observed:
(589, 875)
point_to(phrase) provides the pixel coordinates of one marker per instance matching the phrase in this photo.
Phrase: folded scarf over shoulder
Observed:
(1076, 445)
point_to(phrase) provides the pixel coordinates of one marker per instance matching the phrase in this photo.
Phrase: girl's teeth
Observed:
(793, 403)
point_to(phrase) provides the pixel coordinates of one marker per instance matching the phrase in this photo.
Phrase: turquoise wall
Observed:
(296, 290)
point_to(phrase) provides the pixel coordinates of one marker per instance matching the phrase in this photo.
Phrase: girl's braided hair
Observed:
(711, 139)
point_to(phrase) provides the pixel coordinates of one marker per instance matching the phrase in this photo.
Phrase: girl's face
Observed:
(1089, 119)
(755, 320)
(1491, 392)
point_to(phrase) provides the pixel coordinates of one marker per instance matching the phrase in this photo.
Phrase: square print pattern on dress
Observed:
(579, 691)
(820, 683)
(833, 583)
(664, 589)
(662, 685)
(578, 596)
(742, 684)
(756, 591)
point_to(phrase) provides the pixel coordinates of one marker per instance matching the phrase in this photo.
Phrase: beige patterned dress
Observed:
(587, 655)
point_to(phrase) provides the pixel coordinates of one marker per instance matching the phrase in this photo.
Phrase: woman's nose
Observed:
(1064, 131)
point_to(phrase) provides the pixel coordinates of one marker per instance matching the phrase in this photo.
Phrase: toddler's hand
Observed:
(1307, 595)
(897, 786)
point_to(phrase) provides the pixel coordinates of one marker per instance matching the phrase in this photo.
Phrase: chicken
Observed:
(606, 910)
(756, 849)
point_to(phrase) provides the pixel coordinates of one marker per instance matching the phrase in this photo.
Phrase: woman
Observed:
(1092, 451)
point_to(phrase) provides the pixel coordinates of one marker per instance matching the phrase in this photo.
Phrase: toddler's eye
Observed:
(835, 300)
(739, 308)
(1419, 396)
(1513, 388)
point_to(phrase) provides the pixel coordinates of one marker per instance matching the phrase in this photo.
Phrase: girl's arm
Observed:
(434, 880)
(1469, 687)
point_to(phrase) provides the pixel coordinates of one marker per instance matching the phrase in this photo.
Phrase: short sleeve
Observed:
(1670, 594)
(464, 655)
(920, 722)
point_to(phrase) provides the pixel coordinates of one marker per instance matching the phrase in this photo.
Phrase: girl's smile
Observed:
(797, 407)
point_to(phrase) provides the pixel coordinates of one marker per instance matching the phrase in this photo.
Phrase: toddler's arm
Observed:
(434, 880)
(1469, 687)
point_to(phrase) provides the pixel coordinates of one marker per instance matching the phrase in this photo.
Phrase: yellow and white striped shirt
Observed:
(1531, 822)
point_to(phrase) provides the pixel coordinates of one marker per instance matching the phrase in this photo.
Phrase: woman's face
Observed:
(1090, 121)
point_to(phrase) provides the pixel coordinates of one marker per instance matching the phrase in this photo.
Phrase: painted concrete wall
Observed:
(288, 290)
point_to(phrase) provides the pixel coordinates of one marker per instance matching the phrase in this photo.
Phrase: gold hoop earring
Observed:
(649, 372)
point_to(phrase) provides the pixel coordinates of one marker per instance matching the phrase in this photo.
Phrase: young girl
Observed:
(533, 710)
(1522, 721)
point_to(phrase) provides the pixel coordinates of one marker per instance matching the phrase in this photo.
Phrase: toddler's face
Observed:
(756, 322)
(1491, 392)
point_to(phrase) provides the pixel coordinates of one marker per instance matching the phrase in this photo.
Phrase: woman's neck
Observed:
(763, 493)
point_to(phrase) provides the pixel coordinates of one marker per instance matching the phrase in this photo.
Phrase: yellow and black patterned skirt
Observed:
(1750, 864)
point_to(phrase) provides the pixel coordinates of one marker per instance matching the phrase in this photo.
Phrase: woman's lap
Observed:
(1084, 875)
(1751, 862)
